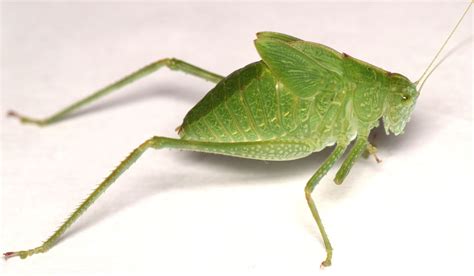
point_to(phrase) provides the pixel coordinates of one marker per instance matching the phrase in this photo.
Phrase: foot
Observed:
(372, 150)
(24, 119)
(325, 264)
(25, 253)
(22, 254)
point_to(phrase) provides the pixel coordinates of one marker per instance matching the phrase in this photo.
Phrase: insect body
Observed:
(331, 100)
(300, 98)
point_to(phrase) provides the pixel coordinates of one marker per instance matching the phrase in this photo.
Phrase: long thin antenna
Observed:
(426, 74)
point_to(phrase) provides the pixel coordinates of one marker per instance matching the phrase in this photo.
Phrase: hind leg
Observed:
(264, 150)
(171, 63)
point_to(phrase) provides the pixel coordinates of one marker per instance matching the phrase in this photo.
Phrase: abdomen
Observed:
(248, 105)
(252, 105)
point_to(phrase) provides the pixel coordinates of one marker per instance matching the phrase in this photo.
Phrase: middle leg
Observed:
(320, 173)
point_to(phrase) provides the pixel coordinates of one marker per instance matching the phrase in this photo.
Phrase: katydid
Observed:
(298, 99)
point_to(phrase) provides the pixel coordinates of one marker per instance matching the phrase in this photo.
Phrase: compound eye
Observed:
(405, 98)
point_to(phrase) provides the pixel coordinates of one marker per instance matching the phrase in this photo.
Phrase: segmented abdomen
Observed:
(251, 105)
(248, 105)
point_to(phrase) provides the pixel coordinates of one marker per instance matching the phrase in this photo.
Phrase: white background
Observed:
(181, 213)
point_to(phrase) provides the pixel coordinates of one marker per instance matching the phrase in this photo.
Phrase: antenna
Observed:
(427, 72)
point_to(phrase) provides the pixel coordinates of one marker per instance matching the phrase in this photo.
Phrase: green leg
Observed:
(171, 63)
(320, 173)
(356, 151)
(269, 150)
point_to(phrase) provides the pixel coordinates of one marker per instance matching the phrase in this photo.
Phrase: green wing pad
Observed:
(277, 36)
(326, 57)
(304, 75)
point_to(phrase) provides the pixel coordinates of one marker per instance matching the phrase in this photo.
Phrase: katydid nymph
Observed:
(300, 98)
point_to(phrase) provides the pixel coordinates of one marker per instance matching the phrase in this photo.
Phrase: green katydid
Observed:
(300, 98)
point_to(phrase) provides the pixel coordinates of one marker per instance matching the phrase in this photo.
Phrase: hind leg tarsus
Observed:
(171, 63)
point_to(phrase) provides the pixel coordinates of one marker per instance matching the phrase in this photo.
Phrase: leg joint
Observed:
(308, 190)
(172, 63)
(155, 142)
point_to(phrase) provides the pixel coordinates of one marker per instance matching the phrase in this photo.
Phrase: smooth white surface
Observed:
(180, 213)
